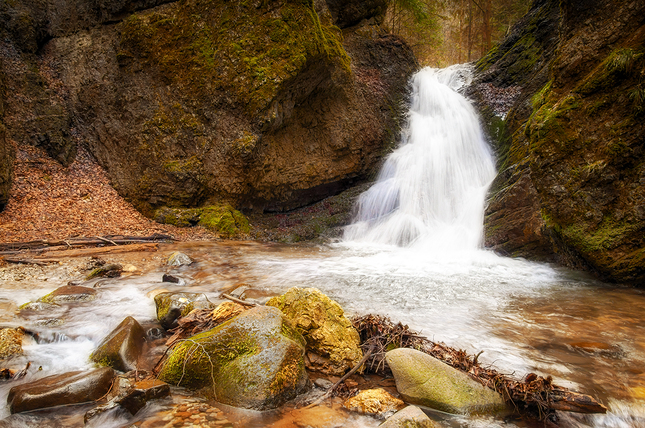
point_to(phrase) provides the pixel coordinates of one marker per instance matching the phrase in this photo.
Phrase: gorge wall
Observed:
(266, 105)
(571, 186)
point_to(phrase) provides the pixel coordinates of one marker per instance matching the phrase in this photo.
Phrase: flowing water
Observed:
(412, 254)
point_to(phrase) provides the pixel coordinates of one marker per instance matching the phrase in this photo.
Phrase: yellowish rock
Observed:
(11, 342)
(324, 326)
(374, 402)
(226, 311)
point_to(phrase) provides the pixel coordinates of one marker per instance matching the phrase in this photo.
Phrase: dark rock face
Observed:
(350, 12)
(266, 106)
(571, 188)
(6, 151)
(67, 388)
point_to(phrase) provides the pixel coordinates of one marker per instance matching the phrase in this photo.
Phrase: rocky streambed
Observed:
(148, 339)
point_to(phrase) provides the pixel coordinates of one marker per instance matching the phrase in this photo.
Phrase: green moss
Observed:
(619, 65)
(222, 219)
(181, 367)
(606, 236)
(191, 43)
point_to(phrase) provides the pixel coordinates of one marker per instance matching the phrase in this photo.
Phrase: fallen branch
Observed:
(12, 247)
(236, 300)
(28, 261)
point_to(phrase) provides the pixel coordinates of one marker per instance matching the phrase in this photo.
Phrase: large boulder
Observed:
(324, 326)
(255, 360)
(69, 294)
(121, 348)
(410, 417)
(282, 112)
(424, 380)
(571, 148)
(63, 389)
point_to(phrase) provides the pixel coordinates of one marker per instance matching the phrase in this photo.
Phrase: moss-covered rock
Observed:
(324, 326)
(171, 306)
(177, 258)
(10, 342)
(255, 360)
(570, 184)
(69, 294)
(222, 219)
(122, 347)
(111, 270)
(424, 380)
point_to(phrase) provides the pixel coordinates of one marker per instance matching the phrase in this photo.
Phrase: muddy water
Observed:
(526, 318)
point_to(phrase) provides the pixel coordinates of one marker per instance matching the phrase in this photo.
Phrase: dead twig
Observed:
(236, 300)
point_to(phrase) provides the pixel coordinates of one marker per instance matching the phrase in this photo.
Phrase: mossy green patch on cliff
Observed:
(248, 50)
(618, 66)
(223, 219)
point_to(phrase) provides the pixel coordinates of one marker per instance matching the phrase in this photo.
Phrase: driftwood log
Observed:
(113, 240)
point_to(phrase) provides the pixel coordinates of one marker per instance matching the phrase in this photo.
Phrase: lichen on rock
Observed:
(255, 360)
(323, 324)
(11, 342)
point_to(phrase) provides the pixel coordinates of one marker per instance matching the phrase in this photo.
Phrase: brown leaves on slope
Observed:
(49, 201)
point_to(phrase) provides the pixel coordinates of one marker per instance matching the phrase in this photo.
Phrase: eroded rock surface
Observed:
(255, 360)
(571, 148)
(266, 106)
(324, 326)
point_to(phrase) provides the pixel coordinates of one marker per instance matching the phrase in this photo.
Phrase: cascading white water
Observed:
(431, 190)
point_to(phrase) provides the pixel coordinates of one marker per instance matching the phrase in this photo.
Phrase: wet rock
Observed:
(67, 388)
(326, 329)
(424, 380)
(323, 383)
(376, 402)
(254, 360)
(410, 417)
(11, 342)
(111, 270)
(69, 294)
(142, 392)
(171, 306)
(122, 347)
(178, 259)
(170, 278)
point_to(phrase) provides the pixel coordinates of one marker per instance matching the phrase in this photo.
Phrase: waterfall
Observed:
(431, 190)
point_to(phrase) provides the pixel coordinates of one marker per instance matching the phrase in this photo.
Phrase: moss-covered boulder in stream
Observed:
(424, 380)
(255, 360)
(69, 294)
(322, 322)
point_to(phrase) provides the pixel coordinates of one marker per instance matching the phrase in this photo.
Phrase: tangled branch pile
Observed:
(535, 394)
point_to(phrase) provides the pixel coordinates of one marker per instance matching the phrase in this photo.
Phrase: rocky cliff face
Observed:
(571, 148)
(265, 105)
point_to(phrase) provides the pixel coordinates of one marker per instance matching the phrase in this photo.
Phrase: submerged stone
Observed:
(410, 417)
(255, 360)
(424, 380)
(111, 270)
(178, 259)
(69, 294)
(67, 388)
(122, 347)
(142, 392)
(324, 326)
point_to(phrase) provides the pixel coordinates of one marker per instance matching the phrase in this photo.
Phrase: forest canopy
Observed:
(444, 32)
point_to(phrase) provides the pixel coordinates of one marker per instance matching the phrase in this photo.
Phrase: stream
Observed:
(413, 254)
